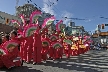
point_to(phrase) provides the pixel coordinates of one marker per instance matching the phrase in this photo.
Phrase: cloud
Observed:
(88, 20)
(48, 6)
(68, 15)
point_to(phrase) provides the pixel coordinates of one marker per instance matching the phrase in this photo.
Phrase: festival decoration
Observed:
(59, 26)
(82, 46)
(11, 43)
(23, 20)
(53, 36)
(57, 45)
(2, 51)
(68, 41)
(75, 38)
(45, 42)
(80, 37)
(15, 23)
(48, 21)
(35, 15)
(86, 45)
(74, 47)
(28, 31)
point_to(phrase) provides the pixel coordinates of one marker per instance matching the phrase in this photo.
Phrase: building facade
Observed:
(71, 29)
(27, 9)
(5, 22)
(101, 38)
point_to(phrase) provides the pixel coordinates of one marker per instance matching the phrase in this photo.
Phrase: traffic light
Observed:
(106, 24)
(103, 26)
(7, 21)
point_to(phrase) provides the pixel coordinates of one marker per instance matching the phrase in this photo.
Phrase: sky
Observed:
(91, 10)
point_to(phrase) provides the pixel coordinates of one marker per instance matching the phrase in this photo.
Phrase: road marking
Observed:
(92, 65)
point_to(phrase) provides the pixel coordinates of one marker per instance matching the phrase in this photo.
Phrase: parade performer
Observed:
(45, 25)
(4, 39)
(20, 38)
(37, 46)
(67, 47)
(87, 44)
(12, 53)
(74, 48)
(28, 47)
(53, 39)
(80, 43)
(45, 47)
(56, 50)
(3, 51)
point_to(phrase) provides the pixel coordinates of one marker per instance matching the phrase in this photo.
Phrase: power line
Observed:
(52, 4)
(47, 5)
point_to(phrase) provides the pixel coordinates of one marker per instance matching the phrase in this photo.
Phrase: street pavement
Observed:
(92, 61)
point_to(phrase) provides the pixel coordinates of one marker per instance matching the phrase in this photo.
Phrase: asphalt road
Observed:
(92, 61)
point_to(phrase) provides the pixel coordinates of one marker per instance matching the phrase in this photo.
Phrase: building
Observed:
(26, 10)
(5, 22)
(71, 29)
(101, 38)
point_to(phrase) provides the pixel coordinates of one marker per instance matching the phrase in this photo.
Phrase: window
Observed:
(103, 36)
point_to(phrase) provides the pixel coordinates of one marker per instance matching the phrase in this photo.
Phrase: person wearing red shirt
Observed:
(37, 46)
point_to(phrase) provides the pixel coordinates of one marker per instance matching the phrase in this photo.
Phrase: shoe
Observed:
(60, 57)
(22, 62)
(34, 63)
(27, 62)
(53, 59)
(44, 61)
(38, 63)
(11, 67)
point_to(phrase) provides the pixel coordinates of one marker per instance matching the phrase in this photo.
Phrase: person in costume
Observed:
(37, 46)
(67, 48)
(7, 59)
(12, 52)
(29, 47)
(74, 48)
(60, 40)
(87, 45)
(2, 52)
(5, 38)
(22, 42)
(56, 50)
(53, 39)
(45, 47)
(80, 45)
